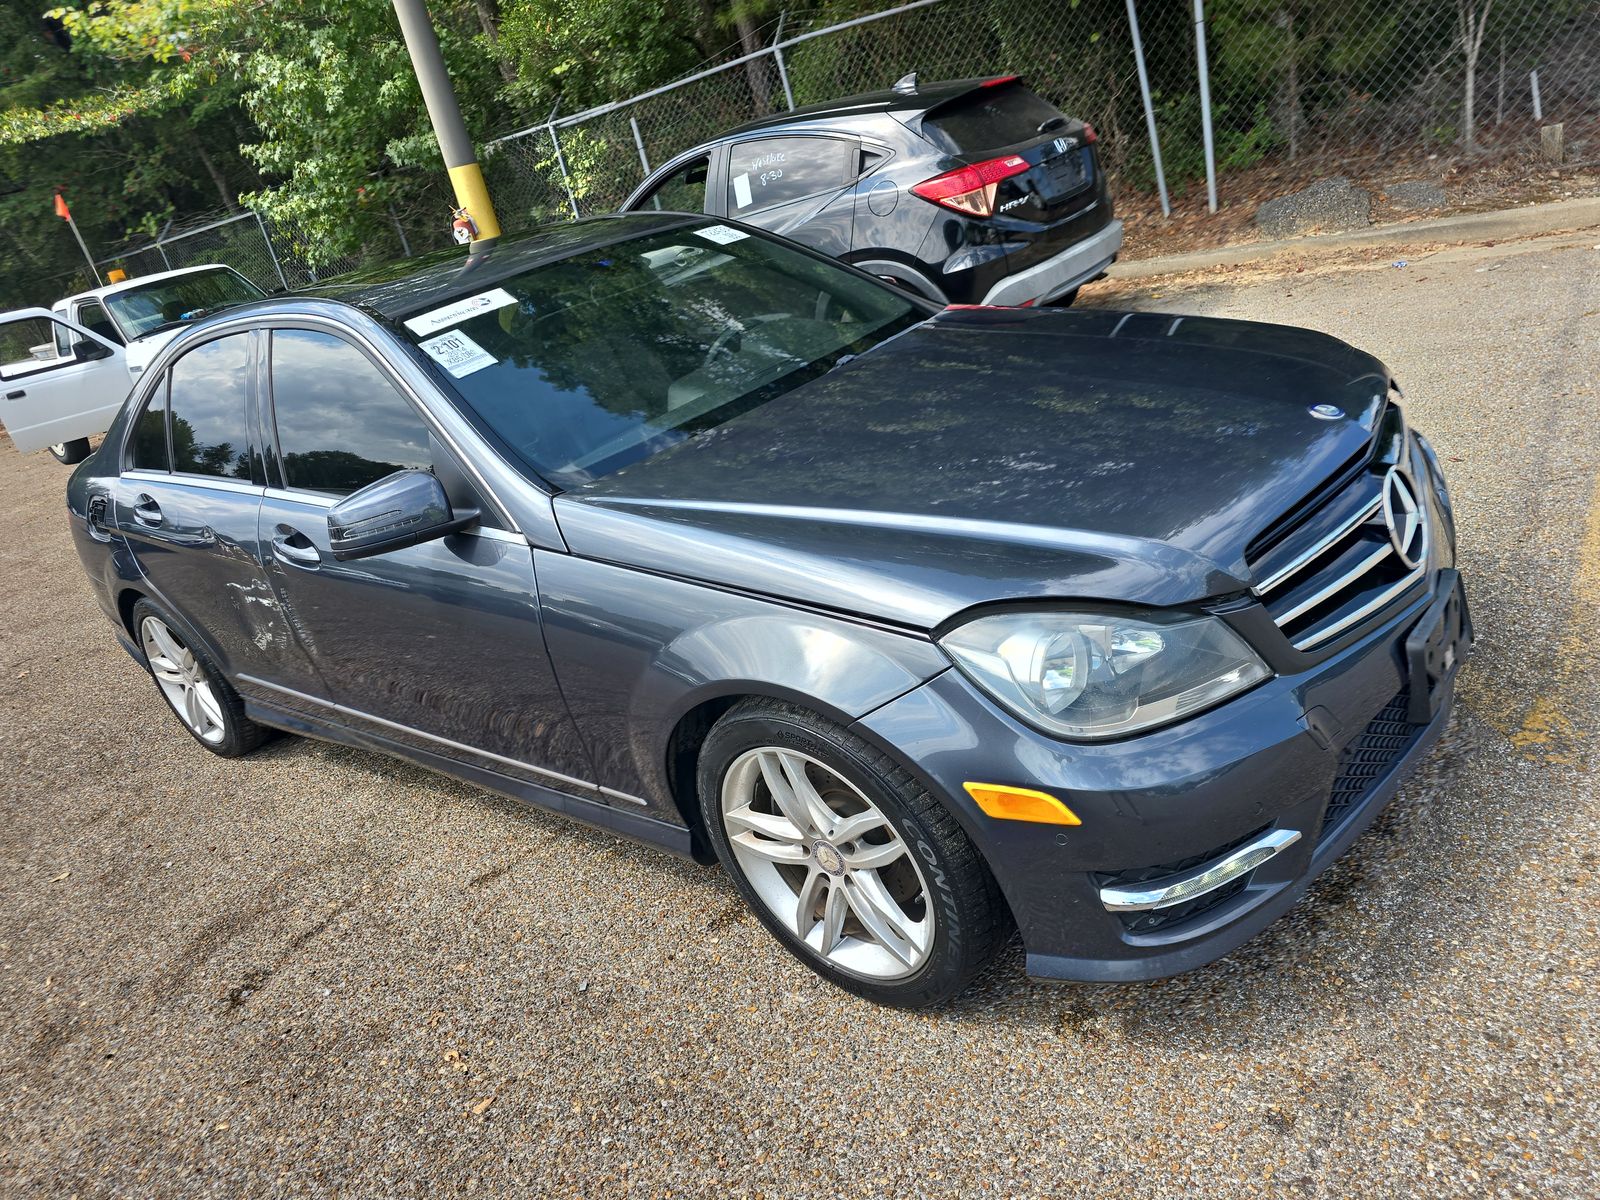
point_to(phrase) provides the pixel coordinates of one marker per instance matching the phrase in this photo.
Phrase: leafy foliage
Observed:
(143, 110)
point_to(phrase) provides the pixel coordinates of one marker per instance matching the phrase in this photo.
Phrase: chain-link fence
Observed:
(1300, 89)
(1074, 50)
(1316, 85)
(271, 254)
(1342, 82)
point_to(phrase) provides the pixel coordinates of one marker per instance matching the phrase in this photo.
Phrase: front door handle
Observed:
(293, 547)
(18, 395)
(146, 511)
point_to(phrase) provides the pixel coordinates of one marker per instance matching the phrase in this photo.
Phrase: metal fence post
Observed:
(271, 253)
(638, 141)
(1205, 102)
(1533, 83)
(1149, 109)
(777, 53)
(1500, 91)
(561, 159)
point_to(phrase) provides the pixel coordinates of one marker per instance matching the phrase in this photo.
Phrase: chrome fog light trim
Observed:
(1175, 889)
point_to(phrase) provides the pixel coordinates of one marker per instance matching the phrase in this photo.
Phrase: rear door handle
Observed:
(15, 395)
(146, 511)
(293, 547)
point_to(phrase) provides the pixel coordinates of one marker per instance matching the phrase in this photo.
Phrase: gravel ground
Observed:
(322, 972)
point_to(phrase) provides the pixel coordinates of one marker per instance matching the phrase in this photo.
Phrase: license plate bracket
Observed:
(1063, 173)
(1436, 647)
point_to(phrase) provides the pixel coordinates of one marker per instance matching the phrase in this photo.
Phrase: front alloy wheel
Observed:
(827, 863)
(845, 858)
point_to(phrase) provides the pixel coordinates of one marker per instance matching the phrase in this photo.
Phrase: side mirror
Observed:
(397, 511)
(83, 350)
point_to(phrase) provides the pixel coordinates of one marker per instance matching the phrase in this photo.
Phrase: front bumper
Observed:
(1318, 753)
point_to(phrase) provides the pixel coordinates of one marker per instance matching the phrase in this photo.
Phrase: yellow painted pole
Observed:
(466, 176)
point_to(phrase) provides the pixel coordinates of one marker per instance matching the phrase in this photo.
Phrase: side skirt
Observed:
(632, 825)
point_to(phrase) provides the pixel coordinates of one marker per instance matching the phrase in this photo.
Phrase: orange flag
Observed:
(61, 208)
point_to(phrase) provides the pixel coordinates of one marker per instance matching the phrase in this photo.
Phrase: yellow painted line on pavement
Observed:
(1548, 723)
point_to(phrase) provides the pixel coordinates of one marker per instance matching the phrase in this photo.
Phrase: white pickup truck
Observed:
(65, 371)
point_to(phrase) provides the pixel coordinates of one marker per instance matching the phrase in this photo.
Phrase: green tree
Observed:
(127, 150)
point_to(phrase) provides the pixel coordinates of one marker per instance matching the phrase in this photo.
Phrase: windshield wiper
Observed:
(849, 358)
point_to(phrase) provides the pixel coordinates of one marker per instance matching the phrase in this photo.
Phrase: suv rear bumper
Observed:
(1077, 264)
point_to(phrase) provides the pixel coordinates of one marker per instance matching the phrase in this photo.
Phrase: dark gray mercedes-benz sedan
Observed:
(1115, 627)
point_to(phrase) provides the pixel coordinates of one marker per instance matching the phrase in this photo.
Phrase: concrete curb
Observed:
(1468, 227)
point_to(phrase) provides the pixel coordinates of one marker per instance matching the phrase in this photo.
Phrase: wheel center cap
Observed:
(828, 858)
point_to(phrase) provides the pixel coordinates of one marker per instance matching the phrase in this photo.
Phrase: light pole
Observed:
(466, 176)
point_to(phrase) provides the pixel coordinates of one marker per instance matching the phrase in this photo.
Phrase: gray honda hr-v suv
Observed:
(1113, 627)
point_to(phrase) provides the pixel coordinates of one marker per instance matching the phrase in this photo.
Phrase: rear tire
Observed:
(845, 858)
(71, 452)
(193, 687)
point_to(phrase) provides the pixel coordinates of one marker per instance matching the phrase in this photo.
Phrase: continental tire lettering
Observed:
(931, 861)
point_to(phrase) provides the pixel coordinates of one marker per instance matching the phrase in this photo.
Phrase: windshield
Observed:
(587, 365)
(163, 303)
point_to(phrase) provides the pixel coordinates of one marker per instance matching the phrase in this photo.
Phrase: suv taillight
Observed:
(970, 190)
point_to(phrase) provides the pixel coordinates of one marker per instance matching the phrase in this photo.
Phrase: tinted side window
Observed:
(776, 170)
(682, 191)
(147, 449)
(341, 423)
(209, 397)
(93, 318)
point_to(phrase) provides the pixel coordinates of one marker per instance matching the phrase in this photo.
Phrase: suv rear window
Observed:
(990, 118)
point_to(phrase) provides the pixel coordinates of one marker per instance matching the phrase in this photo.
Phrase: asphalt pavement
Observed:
(322, 972)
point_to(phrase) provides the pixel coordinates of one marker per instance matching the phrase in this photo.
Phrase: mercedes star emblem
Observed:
(1402, 513)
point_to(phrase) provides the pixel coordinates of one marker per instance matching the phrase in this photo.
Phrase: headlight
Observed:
(1092, 675)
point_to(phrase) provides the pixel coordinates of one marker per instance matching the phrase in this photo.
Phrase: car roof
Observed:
(918, 98)
(402, 286)
(111, 289)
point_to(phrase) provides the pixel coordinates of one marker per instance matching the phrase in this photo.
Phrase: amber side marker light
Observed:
(1020, 804)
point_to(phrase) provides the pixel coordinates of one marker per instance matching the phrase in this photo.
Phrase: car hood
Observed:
(1001, 454)
(142, 350)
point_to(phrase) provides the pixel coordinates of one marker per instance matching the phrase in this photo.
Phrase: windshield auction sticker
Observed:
(457, 353)
(722, 234)
(461, 310)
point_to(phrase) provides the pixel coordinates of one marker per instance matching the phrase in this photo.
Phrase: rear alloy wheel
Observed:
(853, 866)
(71, 452)
(203, 700)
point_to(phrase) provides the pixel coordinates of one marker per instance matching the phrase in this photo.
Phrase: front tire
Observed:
(72, 452)
(852, 865)
(197, 692)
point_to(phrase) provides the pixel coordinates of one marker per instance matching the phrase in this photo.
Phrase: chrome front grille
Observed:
(1344, 565)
